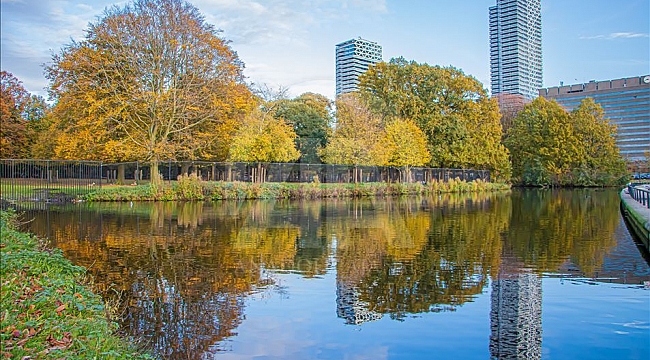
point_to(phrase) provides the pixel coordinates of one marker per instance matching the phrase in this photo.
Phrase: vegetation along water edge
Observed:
(48, 307)
(193, 188)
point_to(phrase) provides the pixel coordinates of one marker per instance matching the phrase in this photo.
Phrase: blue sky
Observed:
(291, 43)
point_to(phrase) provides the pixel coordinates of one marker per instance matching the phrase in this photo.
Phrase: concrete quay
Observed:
(637, 215)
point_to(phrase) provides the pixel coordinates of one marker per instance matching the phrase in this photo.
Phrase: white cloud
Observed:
(616, 35)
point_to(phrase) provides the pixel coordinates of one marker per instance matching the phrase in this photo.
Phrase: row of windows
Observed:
(622, 141)
(598, 95)
(612, 101)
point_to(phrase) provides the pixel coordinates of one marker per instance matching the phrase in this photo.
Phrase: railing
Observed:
(139, 172)
(639, 194)
(46, 181)
(51, 181)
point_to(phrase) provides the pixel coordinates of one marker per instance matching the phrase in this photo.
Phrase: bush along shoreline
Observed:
(47, 310)
(193, 188)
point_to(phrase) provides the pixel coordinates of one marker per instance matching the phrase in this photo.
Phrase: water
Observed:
(532, 274)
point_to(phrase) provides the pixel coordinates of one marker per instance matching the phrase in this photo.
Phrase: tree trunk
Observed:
(120, 174)
(156, 178)
(185, 167)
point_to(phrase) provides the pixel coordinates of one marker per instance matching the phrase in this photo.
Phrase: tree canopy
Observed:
(310, 116)
(21, 114)
(405, 144)
(356, 135)
(151, 80)
(552, 147)
(263, 138)
(453, 110)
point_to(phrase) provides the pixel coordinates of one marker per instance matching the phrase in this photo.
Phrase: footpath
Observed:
(638, 215)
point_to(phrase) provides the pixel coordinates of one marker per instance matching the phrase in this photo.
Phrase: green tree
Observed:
(150, 81)
(310, 116)
(551, 147)
(601, 162)
(263, 138)
(453, 110)
(21, 115)
(405, 145)
(356, 134)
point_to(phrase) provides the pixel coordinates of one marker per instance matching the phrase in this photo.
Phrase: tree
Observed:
(20, 117)
(356, 134)
(601, 162)
(310, 116)
(552, 147)
(453, 110)
(149, 81)
(263, 138)
(405, 144)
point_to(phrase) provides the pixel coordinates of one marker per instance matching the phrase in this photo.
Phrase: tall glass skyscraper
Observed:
(516, 47)
(353, 57)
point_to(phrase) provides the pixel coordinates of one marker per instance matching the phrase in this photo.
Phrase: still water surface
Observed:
(529, 274)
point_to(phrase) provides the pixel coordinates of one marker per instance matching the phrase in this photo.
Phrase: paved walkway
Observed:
(639, 214)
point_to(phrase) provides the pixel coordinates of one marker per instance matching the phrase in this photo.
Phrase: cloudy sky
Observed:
(291, 43)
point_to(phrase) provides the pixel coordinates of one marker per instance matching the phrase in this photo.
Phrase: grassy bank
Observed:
(192, 188)
(46, 311)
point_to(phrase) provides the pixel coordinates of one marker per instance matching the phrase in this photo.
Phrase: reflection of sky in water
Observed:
(580, 320)
(371, 279)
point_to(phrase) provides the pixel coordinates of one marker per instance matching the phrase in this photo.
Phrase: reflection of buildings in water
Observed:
(350, 308)
(516, 317)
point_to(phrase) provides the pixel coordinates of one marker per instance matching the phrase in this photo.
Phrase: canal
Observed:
(532, 274)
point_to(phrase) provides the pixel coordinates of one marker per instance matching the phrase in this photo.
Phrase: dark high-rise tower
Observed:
(516, 47)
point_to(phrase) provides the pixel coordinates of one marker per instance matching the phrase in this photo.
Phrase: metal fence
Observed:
(46, 181)
(639, 193)
(139, 172)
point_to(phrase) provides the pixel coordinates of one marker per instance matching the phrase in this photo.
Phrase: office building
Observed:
(625, 103)
(516, 47)
(353, 57)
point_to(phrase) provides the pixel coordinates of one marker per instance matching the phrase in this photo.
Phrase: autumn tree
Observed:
(149, 81)
(356, 135)
(405, 146)
(453, 110)
(310, 116)
(552, 147)
(21, 114)
(261, 139)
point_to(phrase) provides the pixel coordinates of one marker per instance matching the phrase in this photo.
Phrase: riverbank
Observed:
(192, 188)
(47, 311)
(638, 217)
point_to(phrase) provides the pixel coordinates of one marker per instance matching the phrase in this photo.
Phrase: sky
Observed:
(291, 43)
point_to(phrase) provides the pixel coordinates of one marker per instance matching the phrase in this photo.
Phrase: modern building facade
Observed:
(516, 47)
(353, 57)
(625, 103)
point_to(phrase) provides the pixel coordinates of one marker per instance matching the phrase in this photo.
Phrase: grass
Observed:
(47, 310)
(193, 188)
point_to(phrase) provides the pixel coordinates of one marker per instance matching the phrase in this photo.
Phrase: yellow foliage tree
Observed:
(405, 146)
(150, 81)
(263, 138)
(356, 135)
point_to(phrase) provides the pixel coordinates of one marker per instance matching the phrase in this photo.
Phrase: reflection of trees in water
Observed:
(182, 287)
(550, 227)
(184, 269)
(426, 255)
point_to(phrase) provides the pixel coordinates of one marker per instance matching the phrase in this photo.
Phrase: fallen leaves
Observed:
(60, 308)
(18, 338)
(56, 344)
